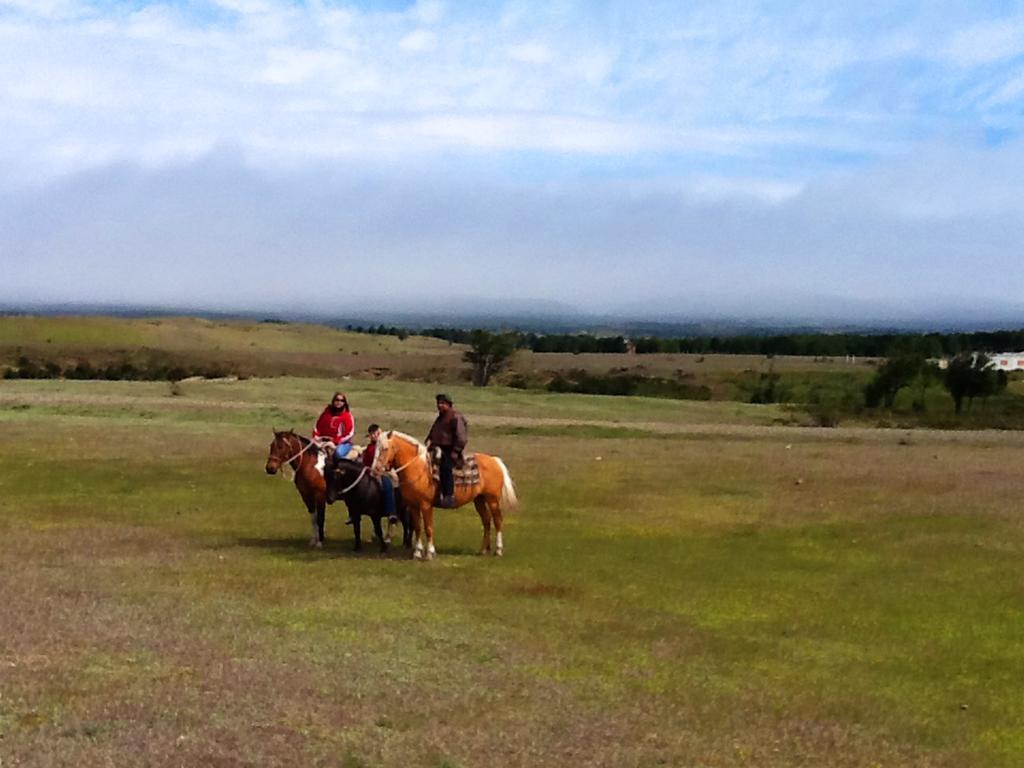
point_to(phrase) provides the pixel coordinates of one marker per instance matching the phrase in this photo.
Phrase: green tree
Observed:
(894, 374)
(489, 353)
(970, 375)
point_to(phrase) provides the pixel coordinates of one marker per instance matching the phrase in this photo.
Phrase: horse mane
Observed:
(303, 441)
(421, 449)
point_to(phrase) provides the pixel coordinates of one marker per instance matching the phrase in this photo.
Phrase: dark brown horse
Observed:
(351, 482)
(302, 456)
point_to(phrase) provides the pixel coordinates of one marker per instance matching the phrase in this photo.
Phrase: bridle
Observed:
(407, 464)
(289, 461)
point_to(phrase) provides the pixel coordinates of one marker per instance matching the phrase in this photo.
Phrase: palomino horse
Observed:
(408, 456)
(301, 455)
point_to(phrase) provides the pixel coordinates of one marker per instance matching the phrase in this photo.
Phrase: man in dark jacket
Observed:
(448, 437)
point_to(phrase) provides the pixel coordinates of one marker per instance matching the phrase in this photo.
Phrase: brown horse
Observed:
(408, 456)
(302, 456)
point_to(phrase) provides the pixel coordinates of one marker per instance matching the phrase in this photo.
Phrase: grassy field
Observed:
(299, 349)
(251, 348)
(687, 584)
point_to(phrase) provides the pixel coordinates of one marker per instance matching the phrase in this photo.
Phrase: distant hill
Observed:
(234, 346)
(664, 319)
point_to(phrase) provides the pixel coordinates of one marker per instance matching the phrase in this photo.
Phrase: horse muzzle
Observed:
(271, 468)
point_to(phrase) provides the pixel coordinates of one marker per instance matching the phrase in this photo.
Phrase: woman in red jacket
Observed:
(337, 425)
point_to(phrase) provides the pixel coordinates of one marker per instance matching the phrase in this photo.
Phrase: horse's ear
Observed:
(275, 431)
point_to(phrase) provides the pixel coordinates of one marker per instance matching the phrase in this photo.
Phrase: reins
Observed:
(413, 460)
(409, 463)
(354, 482)
(295, 470)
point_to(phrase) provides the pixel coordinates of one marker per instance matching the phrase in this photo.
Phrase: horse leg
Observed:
(405, 517)
(321, 514)
(495, 507)
(380, 536)
(406, 528)
(485, 519)
(428, 527)
(417, 527)
(315, 540)
(357, 528)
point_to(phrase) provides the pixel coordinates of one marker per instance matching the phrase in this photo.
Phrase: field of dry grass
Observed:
(254, 348)
(687, 584)
(299, 349)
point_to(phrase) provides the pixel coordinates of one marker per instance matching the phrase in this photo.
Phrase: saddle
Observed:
(467, 474)
(325, 456)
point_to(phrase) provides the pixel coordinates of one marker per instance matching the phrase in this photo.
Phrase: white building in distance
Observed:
(1001, 361)
(1007, 361)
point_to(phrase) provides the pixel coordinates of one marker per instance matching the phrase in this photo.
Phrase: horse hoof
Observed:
(318, 545)
(498, 553)
(417, 554)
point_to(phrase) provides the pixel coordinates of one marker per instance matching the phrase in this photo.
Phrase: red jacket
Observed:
(339, 427)
(368, 454)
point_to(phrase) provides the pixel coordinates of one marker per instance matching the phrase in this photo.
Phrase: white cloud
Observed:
(291, 66)
(428, 11)
(419, 41)
(191, 225)
(987, 41)
(530, 53)
(247, 7)
(1008, 93)
(725, 188)
(695, 83)
(48, 9)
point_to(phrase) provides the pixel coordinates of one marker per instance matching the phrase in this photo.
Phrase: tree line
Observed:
(927, 345)
(121, 370)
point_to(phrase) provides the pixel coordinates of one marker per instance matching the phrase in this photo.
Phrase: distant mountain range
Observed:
(700, 316)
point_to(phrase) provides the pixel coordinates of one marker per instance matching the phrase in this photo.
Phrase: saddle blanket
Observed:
(467, 474)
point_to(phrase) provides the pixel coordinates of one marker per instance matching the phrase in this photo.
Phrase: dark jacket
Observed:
(450, 431)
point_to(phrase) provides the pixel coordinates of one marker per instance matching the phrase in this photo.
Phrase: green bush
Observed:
(621, 384)
(122, 370)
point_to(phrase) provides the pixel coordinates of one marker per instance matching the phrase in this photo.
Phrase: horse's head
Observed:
(383, 458)
(340, 477)
(282, 449)
(396, 450)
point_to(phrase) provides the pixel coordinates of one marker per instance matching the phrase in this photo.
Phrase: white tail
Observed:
(508, 500)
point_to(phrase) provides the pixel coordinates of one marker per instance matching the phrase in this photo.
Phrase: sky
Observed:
(796, 159)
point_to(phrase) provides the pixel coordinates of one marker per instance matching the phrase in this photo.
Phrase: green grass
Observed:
(682, 601)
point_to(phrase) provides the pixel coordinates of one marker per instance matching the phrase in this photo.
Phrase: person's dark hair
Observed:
(344, 401)
(443, 398)
(372, 428)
